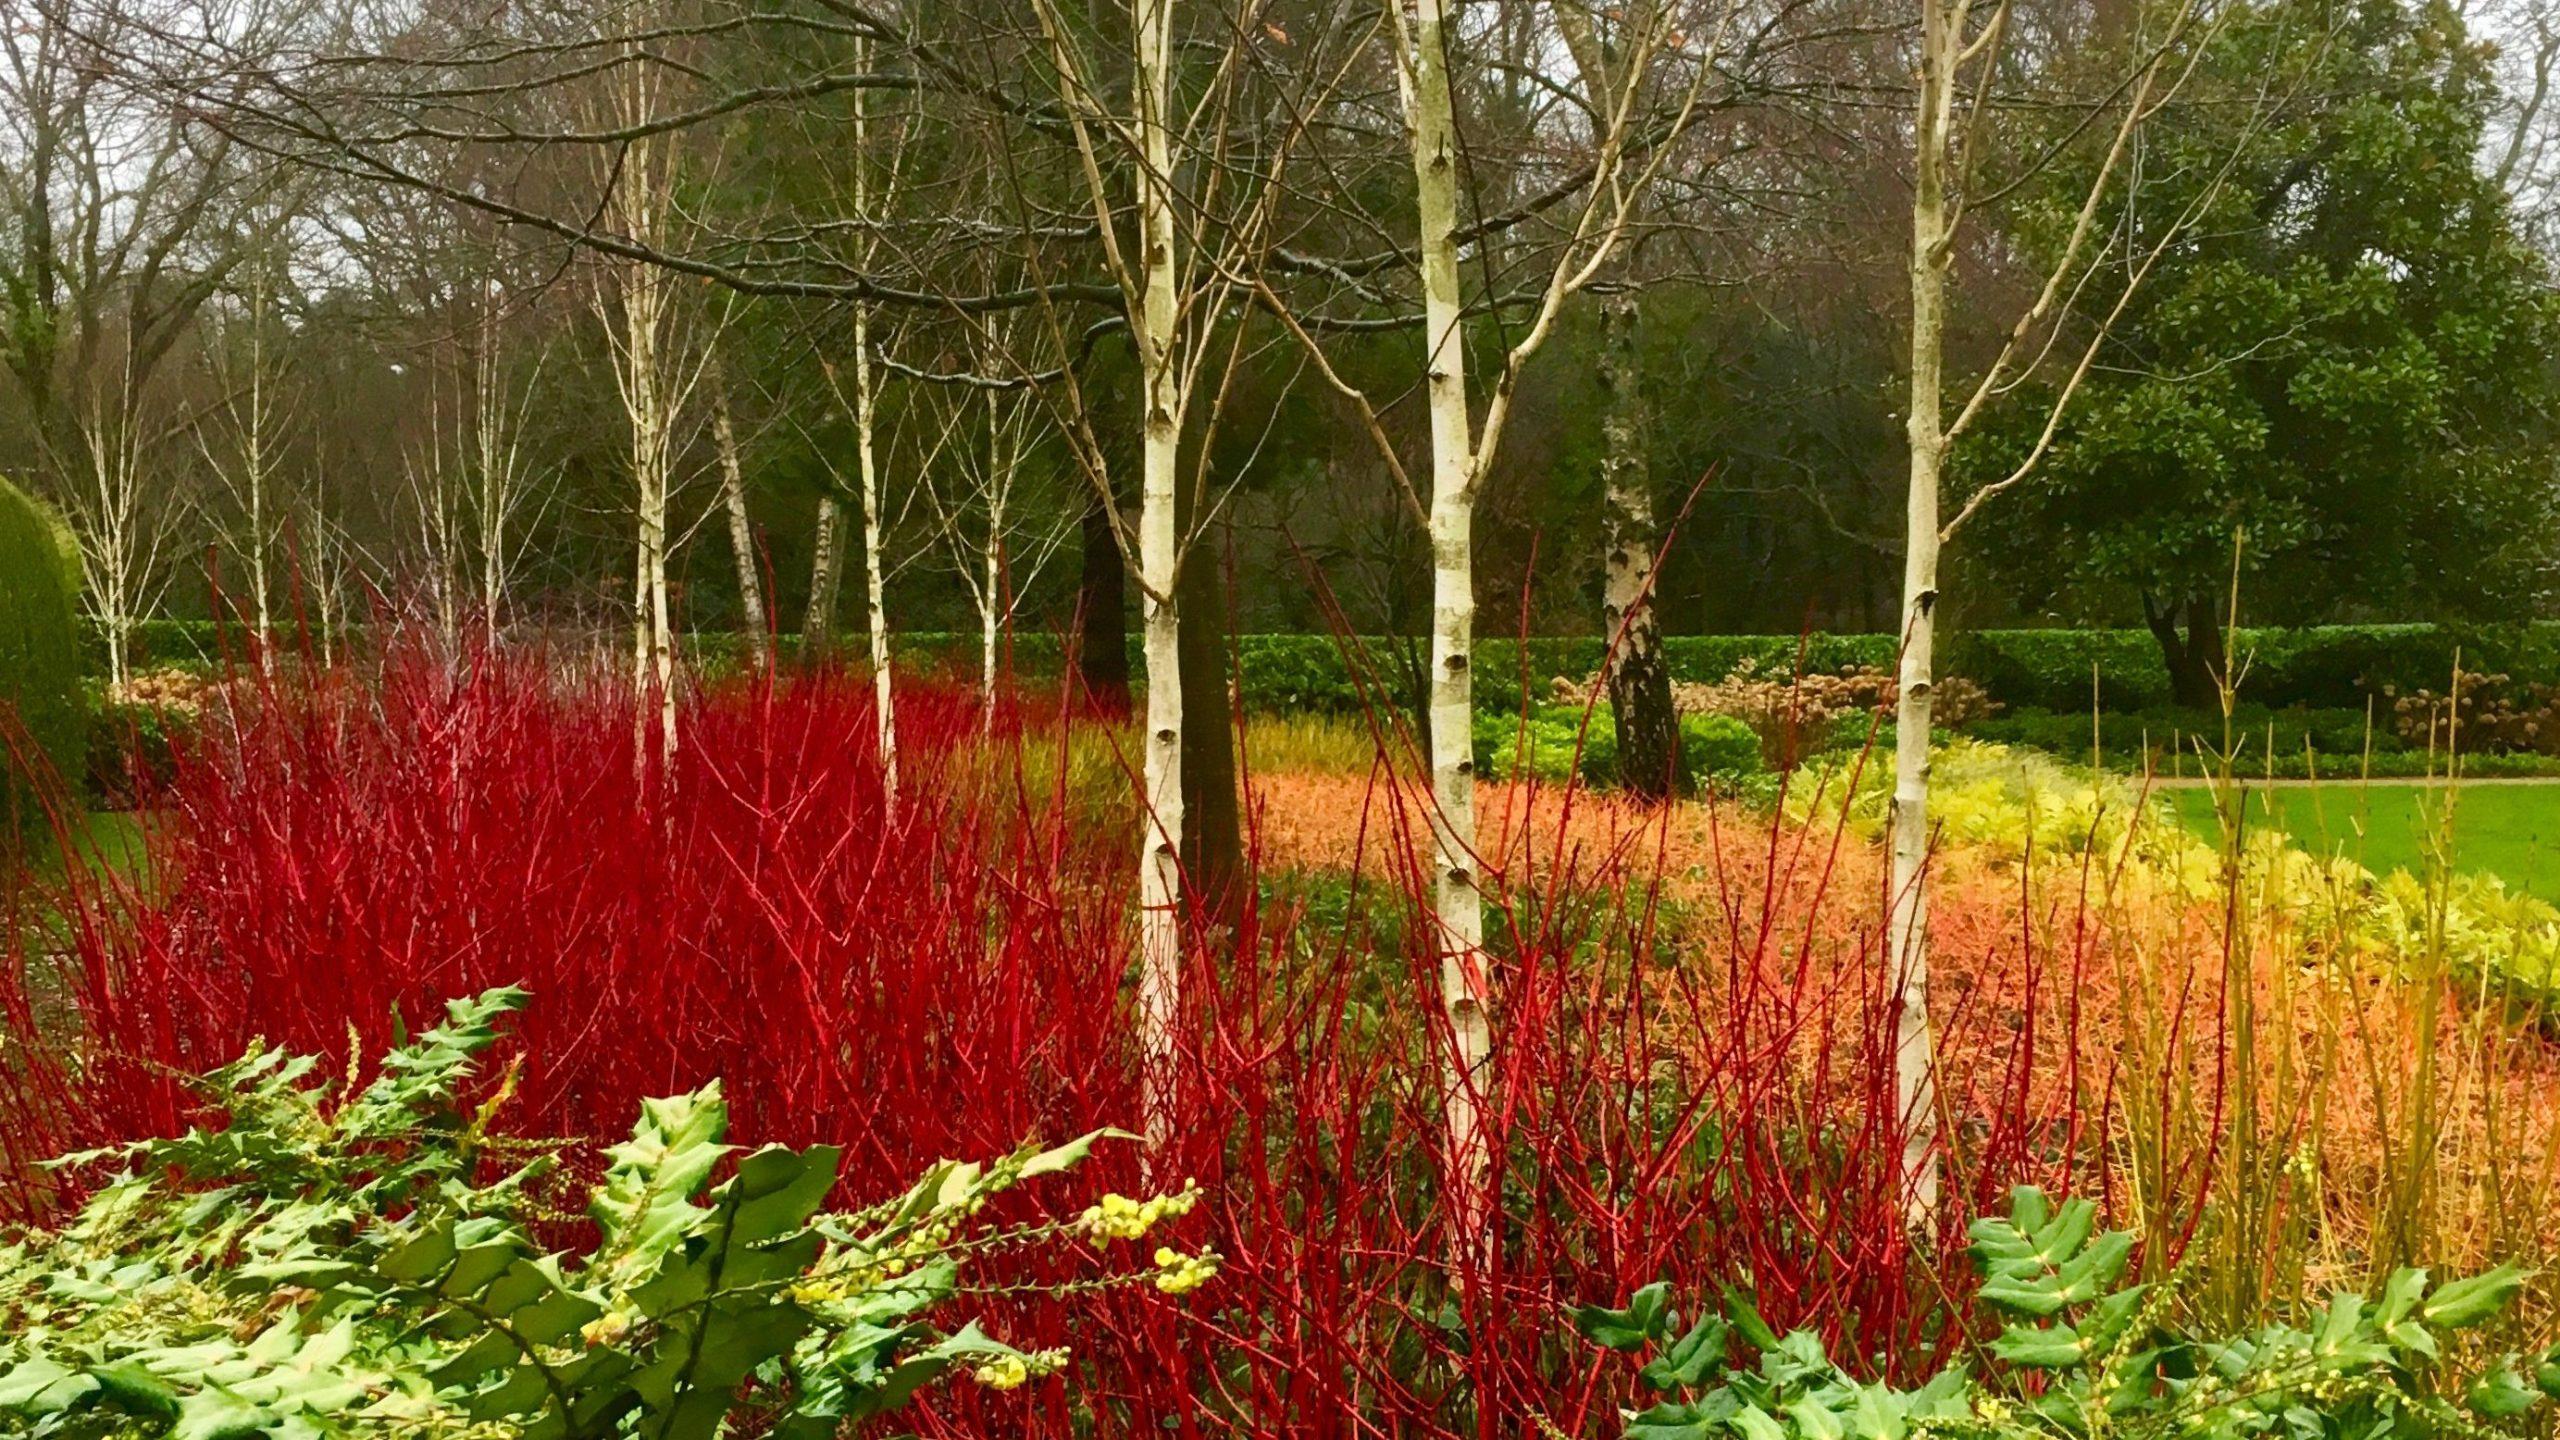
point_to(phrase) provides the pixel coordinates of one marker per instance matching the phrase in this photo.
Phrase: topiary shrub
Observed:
(40, 699)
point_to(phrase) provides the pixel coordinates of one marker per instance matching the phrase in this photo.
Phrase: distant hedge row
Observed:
(2326, 666)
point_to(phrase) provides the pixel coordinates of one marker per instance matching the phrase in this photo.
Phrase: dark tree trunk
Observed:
(1648, 729)
(2193, 658)
(1212, 814)
(1102, 618)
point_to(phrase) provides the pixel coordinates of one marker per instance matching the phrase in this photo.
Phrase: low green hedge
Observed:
(2333, 667)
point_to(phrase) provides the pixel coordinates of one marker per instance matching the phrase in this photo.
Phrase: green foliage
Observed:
(1546, 743)
(39, 654)
(1551, 743)
(2348, 356)
(2316, 666)
(130, 745)
(1719, 745)
(328, 1263)
(2081, 1354)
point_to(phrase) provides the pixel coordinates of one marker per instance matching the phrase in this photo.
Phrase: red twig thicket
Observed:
(338, 852)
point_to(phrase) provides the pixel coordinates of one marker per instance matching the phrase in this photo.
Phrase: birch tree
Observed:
(503, 491)
(1627, 146)
(866, 423)
(742, 534)
(121, 217)
(1959, 54)
(641, 310)
(250, 464)
(862, 404)
(124, 512)
(995, 522)
(1199, 207)
(1639, 678)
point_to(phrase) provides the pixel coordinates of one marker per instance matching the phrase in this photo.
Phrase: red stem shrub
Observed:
(948, 975)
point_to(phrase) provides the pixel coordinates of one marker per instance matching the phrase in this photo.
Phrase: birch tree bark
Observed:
(1648, 731)
(638, 321)
(500, 478)
(994, 597)
(875, 607)
(1460, 449)
(252, 469)
(1907, 899)
(1159, 554)
(1457, 902)
(826, 573)
(742, 535)
(122, 523)
(1183, 282)
(1937, 210)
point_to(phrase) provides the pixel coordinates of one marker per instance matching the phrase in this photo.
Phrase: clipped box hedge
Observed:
(2320, 667)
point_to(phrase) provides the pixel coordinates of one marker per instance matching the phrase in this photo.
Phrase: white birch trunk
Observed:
(742, 535)
(1464, 978)
(826, 571)
(495, 460)
(1907, 899)
(875, 607)
(641, 370)
(643, 302)
(1159, 553)
(254, 462)
(992, 600)
(875, 565)
(989, 614)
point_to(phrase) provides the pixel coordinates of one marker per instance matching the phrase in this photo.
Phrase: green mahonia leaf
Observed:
(2546, 1373)
(1747, 1322)
(1687, 1362)
(1069, 1155)
(1754, 1423)
(39, 1385)
(308, 1270)
(2468, 1302)
(1671, 1420)
(1815, 1420)
(1641, 1323)
(2047, 1347)
(2501, 1393)
(645, 1207)
(2093, 1356)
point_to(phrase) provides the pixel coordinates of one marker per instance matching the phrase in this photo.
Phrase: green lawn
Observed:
(2512, 831)
(109, 840)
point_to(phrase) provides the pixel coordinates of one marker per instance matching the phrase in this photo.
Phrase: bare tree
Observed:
(505, 489)
(124, 216)
(125, 511)
(994, 519)
(644, 315)
(1632, 92)
(1960, 52)
(254, 411)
